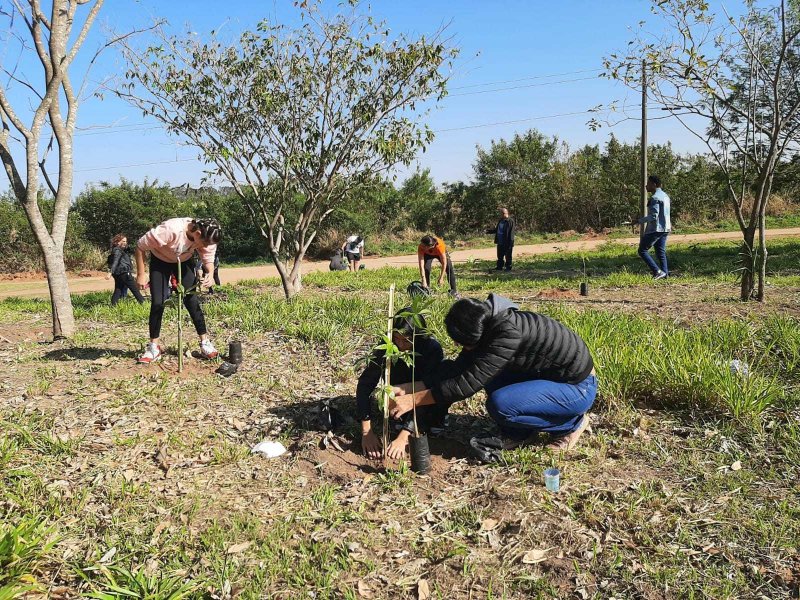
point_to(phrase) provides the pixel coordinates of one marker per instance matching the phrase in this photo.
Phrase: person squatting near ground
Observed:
(538, 375)
(338, 261)
(121, 269)
(354, 249)
(173, 240)
(657, 229)
(429, 357)
(504, 239)
(431, 248)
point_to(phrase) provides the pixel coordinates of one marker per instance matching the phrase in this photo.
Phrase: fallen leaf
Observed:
(423, 590)
(736, 466)
(108, 555)
(535, 556)
(363, 590)
(489, 524)
(237, 548)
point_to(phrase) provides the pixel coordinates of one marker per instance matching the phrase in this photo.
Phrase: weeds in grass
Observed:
(24, 544)
(120, 583)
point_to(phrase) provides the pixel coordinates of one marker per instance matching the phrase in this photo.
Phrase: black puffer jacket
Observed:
(515, 342)
(119, 261)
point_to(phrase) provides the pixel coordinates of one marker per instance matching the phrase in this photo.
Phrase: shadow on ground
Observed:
(89, 353)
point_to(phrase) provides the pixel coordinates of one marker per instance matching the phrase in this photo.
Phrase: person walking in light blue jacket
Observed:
(657, 228)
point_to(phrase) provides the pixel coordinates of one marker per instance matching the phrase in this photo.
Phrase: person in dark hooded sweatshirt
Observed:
(429, 356)
(538, 375)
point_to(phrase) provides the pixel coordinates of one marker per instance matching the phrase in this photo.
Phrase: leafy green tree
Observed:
(312, 112)
(127, 208)
(514, 174)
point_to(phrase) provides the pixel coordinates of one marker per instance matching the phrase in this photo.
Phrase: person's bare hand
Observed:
(397, 448)
(108, 276)
(207, 280)
(400, 405)
(141, 281)
(371, 445)
(441, 280)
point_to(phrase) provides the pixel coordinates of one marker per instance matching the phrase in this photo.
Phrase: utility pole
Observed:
(643, 204)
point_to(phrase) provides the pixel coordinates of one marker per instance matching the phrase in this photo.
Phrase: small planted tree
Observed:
(294, 119)
(416, 314)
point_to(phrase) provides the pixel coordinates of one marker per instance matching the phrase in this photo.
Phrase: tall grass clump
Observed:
(655, 360)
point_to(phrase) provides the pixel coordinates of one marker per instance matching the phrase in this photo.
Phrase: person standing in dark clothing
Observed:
(429, 357)
(504, 239)
(120, 268)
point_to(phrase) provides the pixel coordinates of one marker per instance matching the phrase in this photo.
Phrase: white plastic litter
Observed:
(739, 367)
(269, 449)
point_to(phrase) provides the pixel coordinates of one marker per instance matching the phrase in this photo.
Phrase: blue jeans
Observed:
(522, 406)
(659, 240)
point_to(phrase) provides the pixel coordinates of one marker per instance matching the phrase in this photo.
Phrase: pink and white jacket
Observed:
(168, 241)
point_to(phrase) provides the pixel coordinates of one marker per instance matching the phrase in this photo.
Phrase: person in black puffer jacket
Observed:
(538, 375)
(120, 267)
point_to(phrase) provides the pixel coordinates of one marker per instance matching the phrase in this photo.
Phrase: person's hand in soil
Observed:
(397, 448)
(371, 445)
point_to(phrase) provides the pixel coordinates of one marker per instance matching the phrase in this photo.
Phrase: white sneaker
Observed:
(660, 275)
(207, 349)
(152, 353)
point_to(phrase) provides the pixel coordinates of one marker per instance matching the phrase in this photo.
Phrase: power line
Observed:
(147, 164)
(473, 85)
(569, 114)
(519, 87)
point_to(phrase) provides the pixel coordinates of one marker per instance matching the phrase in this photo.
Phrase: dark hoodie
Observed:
(429, 358)
(119, 261)
(515, 342)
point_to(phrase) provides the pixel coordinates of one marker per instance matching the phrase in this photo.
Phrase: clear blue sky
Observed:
(502, 41)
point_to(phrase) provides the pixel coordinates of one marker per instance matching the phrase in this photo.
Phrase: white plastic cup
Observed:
(552, 480)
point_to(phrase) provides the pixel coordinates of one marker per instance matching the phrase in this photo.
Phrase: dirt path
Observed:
(79, 285)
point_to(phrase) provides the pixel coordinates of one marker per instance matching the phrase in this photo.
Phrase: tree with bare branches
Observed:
(294, 119)
(732, 81)
(46, 110)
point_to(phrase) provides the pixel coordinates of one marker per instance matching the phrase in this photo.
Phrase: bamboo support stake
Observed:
(388, 372)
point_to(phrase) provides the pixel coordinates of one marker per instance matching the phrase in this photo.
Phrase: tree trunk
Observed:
(63, 318)
(762, 258)
(290, 279)
(749, 263)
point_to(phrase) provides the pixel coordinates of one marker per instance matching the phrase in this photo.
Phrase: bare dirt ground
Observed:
(34, 285)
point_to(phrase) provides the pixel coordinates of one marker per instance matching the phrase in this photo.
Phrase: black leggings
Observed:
(450, 271)
(160, 290)
(122, 283)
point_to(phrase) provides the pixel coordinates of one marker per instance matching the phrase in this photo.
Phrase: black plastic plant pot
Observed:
(584, 288)
(235, 353)
(420, 454)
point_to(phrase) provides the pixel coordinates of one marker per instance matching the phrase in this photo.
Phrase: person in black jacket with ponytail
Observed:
(120, 267)
(538, 375)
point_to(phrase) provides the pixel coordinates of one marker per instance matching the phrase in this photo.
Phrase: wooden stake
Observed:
(388, 371)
